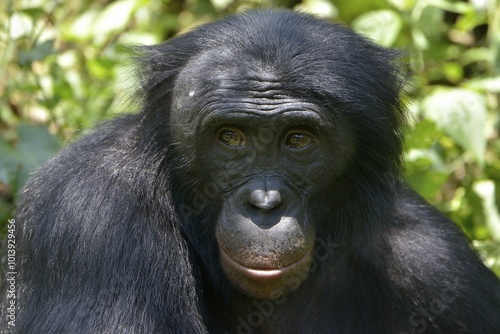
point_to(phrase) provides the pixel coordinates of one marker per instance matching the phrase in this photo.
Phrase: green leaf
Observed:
(115, 17)
(491, 84)
(320, 8)
(34, 12)
(426, 171)
(34, 146)
(428, 22)
(461, 113)
(101, 67)
(451, 6)
(39, 52)
(402, 5)
(37, 143)
(423, 135)
(485, 189)
(9, 162)
(427, 183)
(419, 39)
(382, 26)
(490, 252)
(80, 29)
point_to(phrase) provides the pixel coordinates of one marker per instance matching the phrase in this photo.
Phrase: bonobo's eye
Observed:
(299, 139)
(231, 137)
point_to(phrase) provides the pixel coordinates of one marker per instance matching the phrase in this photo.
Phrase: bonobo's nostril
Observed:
(265, 200)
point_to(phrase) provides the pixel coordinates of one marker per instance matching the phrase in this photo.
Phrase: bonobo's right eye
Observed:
(299, 139)
(231, 137)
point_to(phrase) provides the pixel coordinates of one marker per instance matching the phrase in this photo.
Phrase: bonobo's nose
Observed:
(265, 200)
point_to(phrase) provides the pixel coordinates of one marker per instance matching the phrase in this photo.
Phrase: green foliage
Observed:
(32, 146)
(461, 114)
(63, 66)
(383, 26)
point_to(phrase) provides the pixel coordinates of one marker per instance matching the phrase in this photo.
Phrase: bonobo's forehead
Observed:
(209, 87)
(209, 74)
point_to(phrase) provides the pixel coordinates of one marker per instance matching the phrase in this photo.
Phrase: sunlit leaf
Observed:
(461, 113)
(321, 8)
(485, 189)
(451, 6)
(20, 25)
(81, 28)
(383, 26)
(491, 85)
(490, 252)
(419, 39)
(402, 5)
(115, 17)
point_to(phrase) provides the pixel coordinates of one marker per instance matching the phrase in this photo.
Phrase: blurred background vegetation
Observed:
(64, 67)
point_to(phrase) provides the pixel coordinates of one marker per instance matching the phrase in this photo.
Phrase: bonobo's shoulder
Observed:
(119, 132)
(110, 138)
(412, 209)
(106, 149)
(426, 251)
(422, 233)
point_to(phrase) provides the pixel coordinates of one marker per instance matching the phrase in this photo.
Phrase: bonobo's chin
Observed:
(269, 282)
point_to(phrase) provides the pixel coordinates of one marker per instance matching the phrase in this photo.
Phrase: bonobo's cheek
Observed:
(264, 257)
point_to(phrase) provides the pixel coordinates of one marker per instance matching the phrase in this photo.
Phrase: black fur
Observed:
(110, 241)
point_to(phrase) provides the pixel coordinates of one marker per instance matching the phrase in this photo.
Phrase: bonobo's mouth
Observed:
(263, 274)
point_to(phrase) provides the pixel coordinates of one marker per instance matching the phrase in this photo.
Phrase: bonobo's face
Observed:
(271, 154)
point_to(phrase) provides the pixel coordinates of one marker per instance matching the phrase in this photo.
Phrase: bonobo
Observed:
(259, 190)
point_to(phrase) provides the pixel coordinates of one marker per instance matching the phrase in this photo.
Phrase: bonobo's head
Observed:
(274, 118)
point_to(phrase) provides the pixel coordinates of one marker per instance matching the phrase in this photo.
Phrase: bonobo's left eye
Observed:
(299, 139)
(231, 137)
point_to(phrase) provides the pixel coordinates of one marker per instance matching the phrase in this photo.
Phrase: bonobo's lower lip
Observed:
(262, 274)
